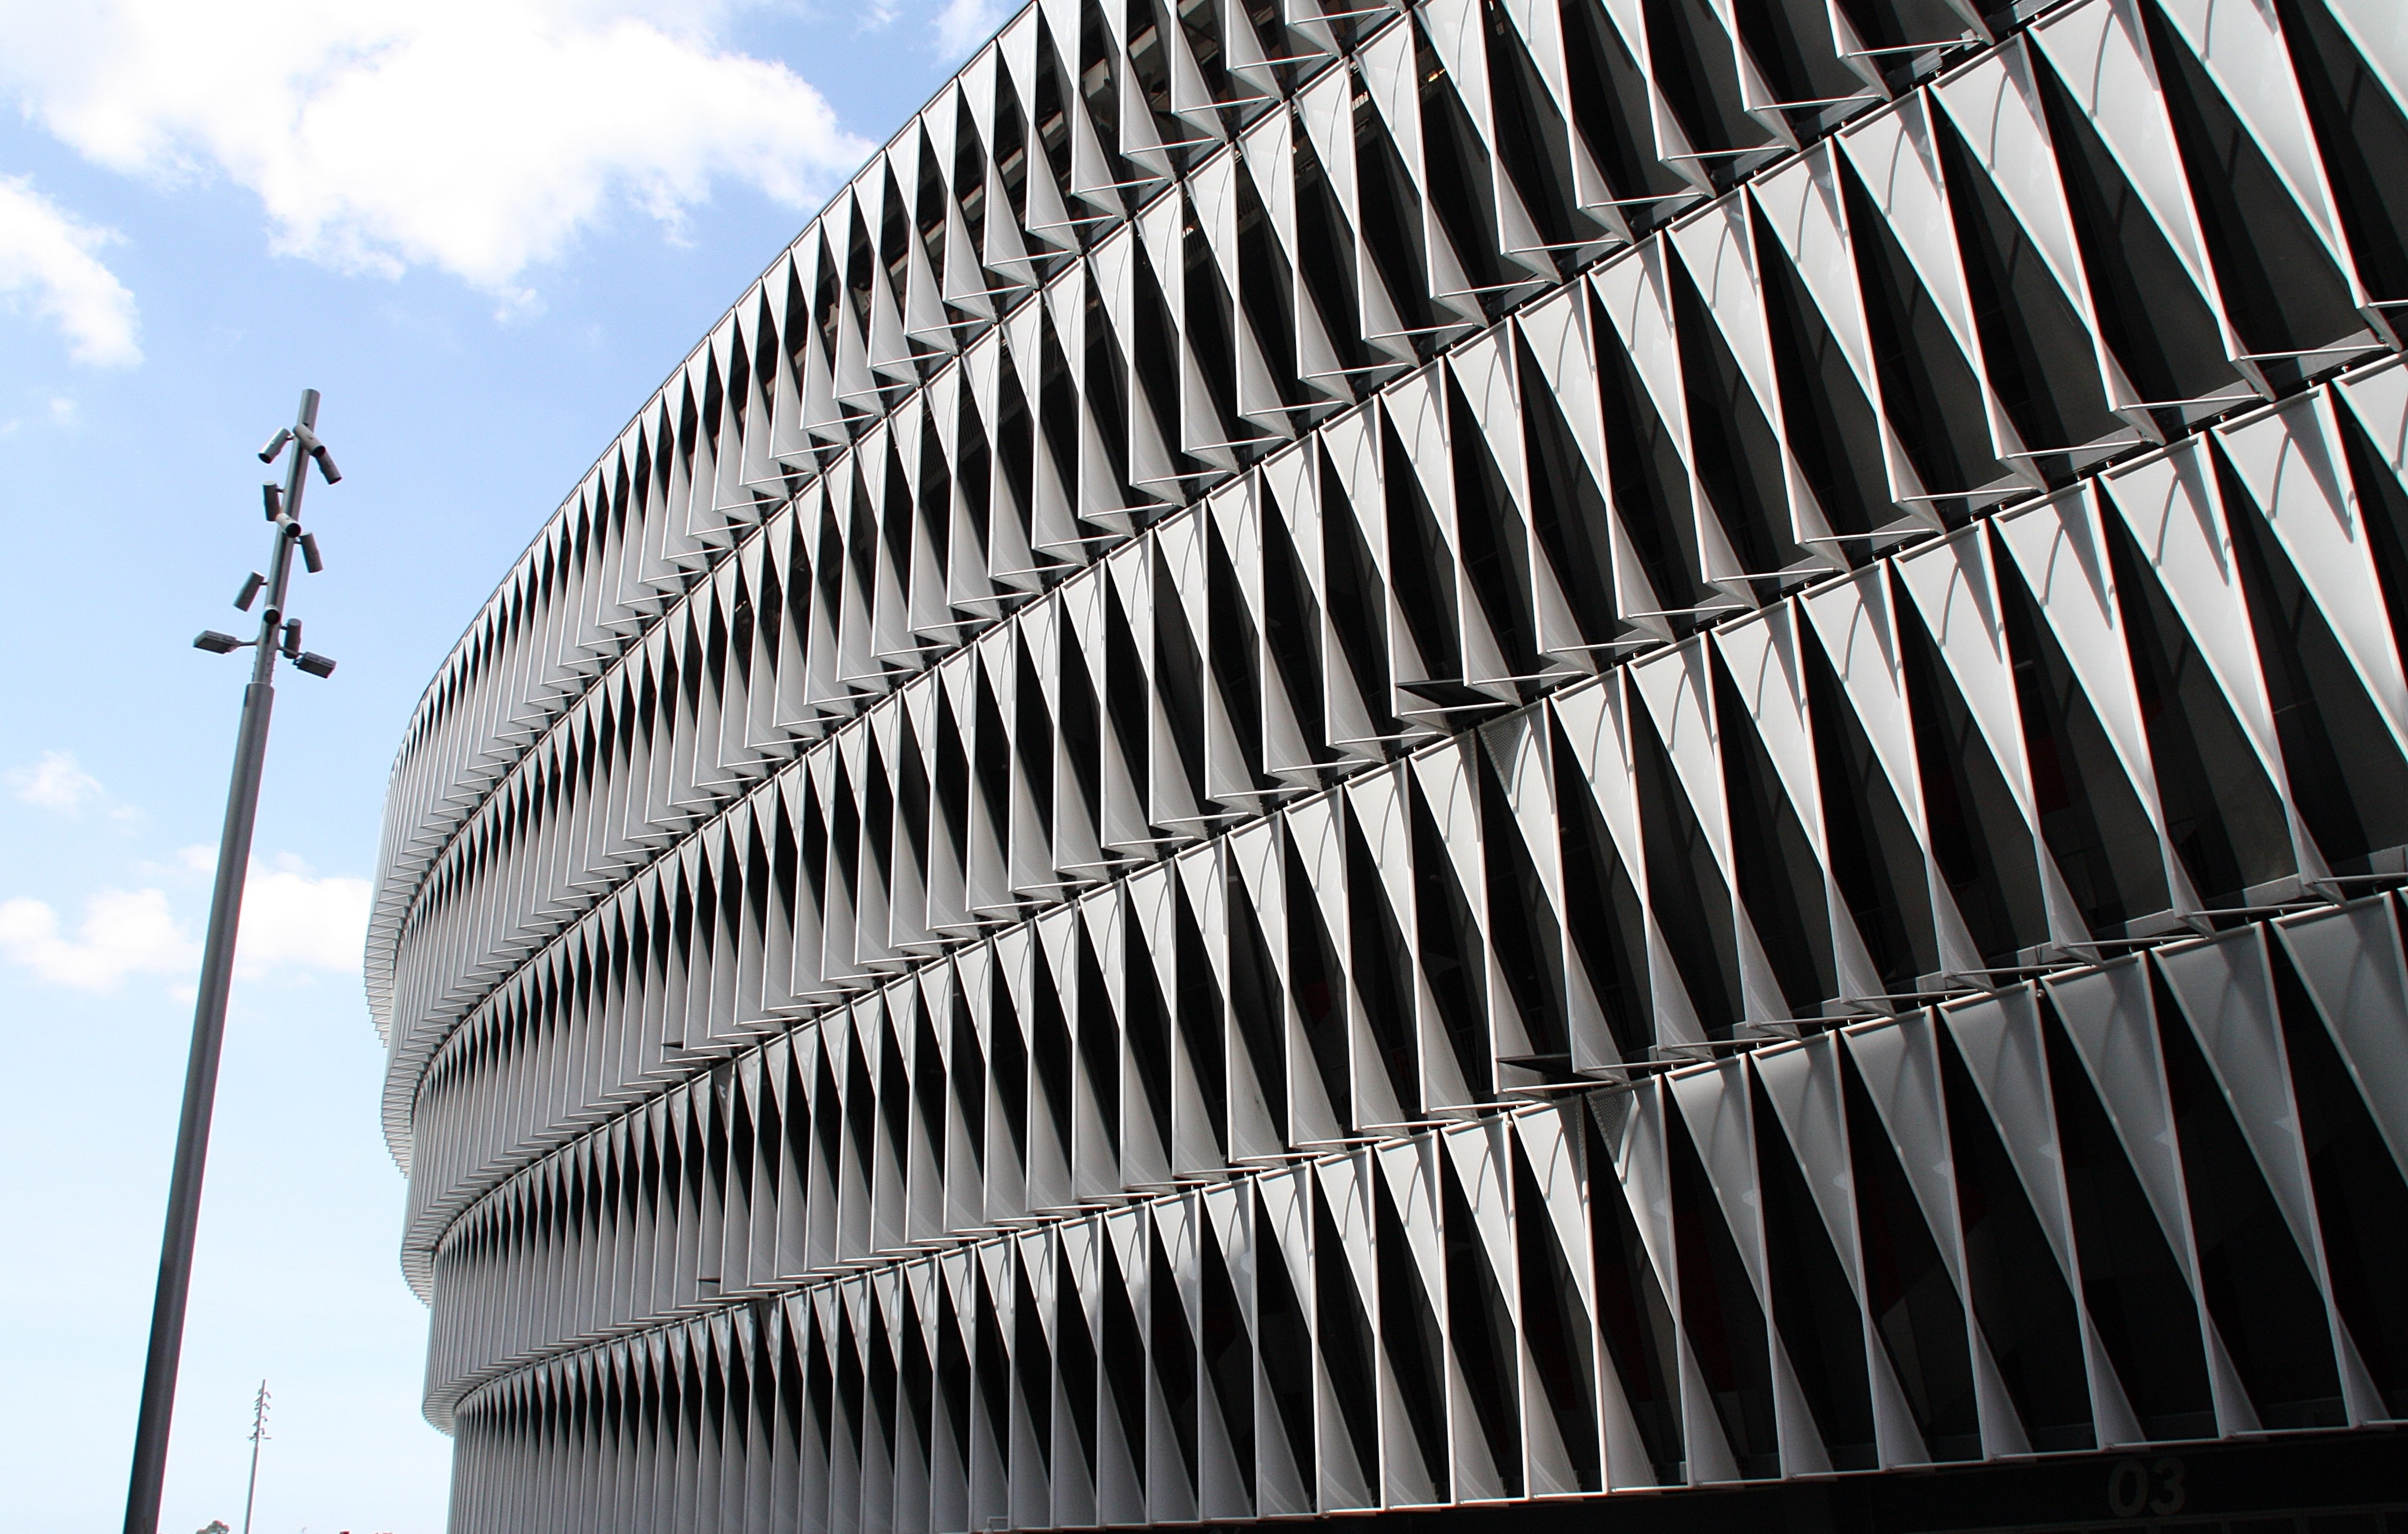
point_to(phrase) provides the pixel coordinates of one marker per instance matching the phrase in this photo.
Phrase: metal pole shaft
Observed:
(192, 1136)
(250, 1496)
(198, 1101)
(208, 1030)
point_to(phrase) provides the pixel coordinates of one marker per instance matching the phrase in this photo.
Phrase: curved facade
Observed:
(1348, 760)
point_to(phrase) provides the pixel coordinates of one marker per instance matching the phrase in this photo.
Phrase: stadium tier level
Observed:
(1502, 764)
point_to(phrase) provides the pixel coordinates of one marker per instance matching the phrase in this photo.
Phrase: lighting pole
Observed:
(258, 1436)
(277, 634)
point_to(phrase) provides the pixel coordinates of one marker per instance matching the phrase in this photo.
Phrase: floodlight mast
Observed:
(217, 957)
(258, 1436)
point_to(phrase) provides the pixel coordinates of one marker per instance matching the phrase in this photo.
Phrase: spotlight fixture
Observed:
(292, 639)
(250, 593)
(309, 553)
(272, 497)
(315, 665)
(217, 643)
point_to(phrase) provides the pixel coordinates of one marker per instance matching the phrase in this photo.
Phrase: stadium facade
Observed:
(1477, 757)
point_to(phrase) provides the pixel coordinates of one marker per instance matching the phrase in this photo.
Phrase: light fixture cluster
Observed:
(278, 635)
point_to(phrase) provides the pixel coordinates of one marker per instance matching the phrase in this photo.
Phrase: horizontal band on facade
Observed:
(2071, 1215)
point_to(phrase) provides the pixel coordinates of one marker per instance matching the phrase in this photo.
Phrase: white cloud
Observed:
(123, 933)
(47, 261)
(963, 24)
(59, 411)
(295, 925)
(294, 921)
(57, 782)
(480, 137)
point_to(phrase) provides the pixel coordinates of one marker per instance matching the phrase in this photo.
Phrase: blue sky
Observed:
(486, 232)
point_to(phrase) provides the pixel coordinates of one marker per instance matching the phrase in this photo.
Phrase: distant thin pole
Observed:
(258, 1436)
(217, 955)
